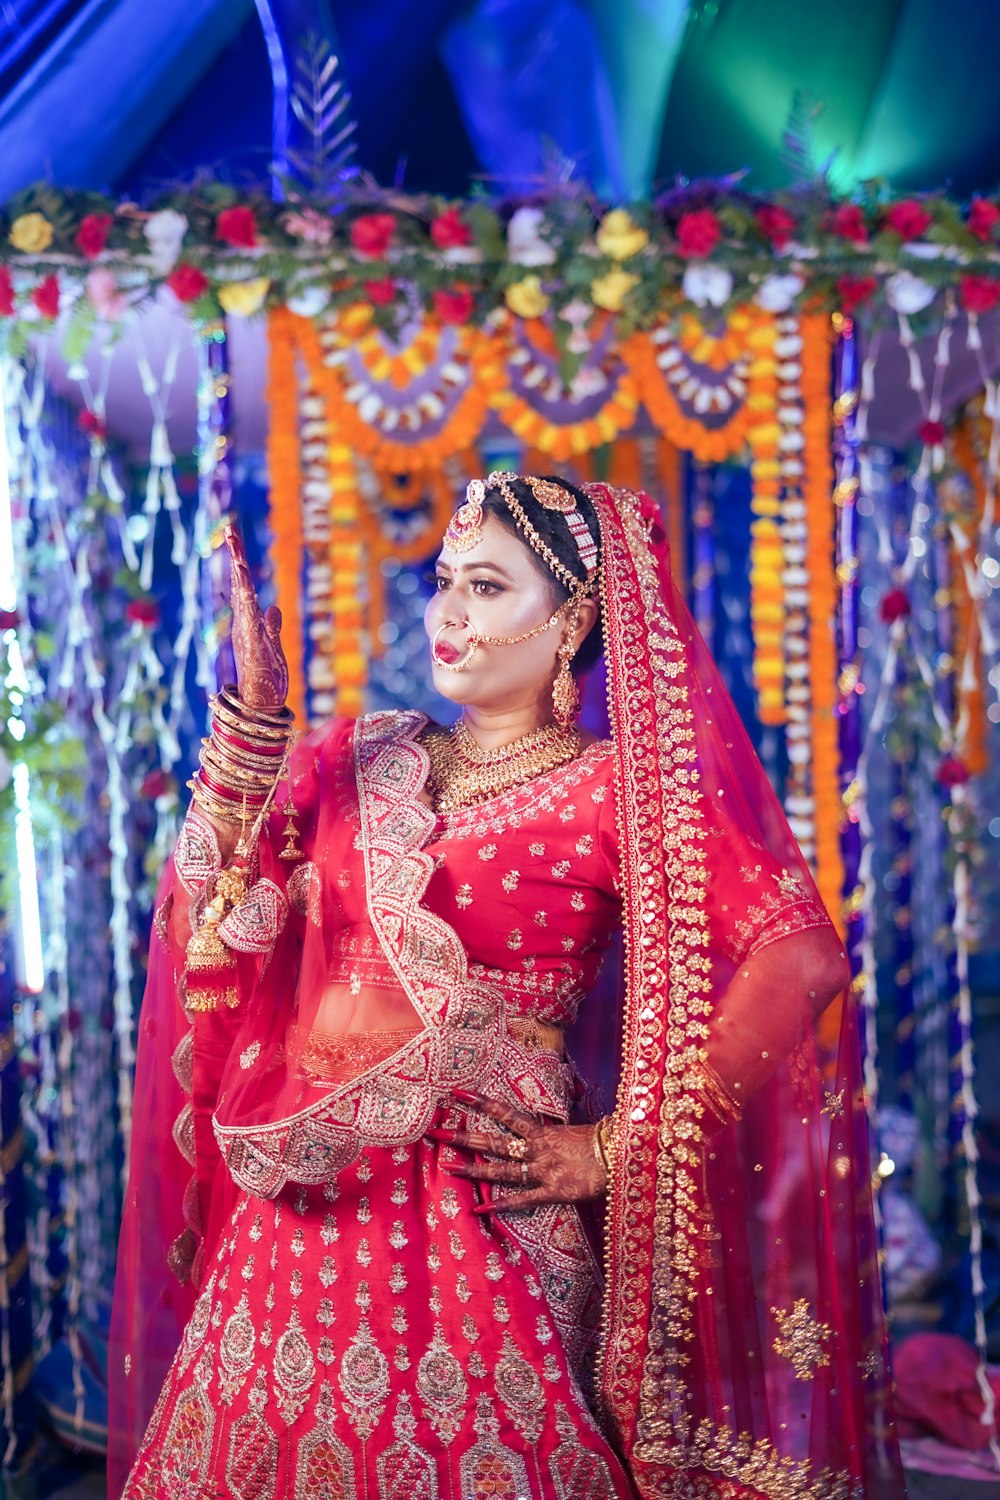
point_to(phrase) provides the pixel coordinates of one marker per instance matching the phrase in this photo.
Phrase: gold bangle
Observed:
(251, 758)
(235, 775)
(280, 721)
(716, 1095)
(215, 807)
(267, 739)
(604, 1143)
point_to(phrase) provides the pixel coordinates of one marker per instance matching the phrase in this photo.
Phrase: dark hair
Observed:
(551, 527)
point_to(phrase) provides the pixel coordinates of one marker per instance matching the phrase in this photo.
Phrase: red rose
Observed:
(978, 294)
(46, 297)
(908, 219)
(90, 423)
(952, 771)
(92, 235)
(380, 293)
(449, 230)
(984, 217)
(848, 221)
(895, 605)
(10, 619)
(238, 227)
(6, 293)
(154, 784)
(187, 283)
(454, 306)
(776, 224)
(371, 234)
(931, 433)
(698, 233)
(143, 611)
(854, 290)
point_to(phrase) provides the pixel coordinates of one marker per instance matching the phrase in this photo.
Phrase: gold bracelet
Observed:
(277, 723)
(251, 758)
(604, 1143)
(224, 812)
(235, 776)
(716, 1095)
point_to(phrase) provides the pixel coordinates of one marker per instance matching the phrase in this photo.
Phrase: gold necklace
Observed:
(463, 774)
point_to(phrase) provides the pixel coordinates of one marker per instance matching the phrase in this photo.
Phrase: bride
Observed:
(372, 1245)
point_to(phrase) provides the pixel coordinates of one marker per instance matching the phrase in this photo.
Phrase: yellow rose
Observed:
(31, 233)
(619, 236)
(244, 297)
(526, 298)
(611, 290)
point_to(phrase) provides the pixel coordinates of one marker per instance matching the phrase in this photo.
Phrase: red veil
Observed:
(743, 1349)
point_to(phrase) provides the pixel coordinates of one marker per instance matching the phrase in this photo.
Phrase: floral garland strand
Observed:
(821, 522)
(314, 434)
(284, 498)
(708, 418)
(347, 575)
(965, 529)
(767, 609)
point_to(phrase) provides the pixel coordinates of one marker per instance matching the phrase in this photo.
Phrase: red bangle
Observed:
(227, 795)
(273, 752)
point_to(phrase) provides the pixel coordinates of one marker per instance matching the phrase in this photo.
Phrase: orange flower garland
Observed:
(645, 354)
(347, 568)
(767, 609)
(821, 566)
(559, 441)
(971, 731)
(284, 505)
(355, 329)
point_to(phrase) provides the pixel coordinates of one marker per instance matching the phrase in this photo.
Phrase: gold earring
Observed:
(565, 698)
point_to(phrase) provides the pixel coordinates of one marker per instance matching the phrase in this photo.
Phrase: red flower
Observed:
(10, 619)
(984, 217)
(854, 290)
(931, 433)
(6, 293)
(952, 771)
(154, 784)
(698, 233)
(187, 283)
(46, 297)
(978, 294)
(848, 221)
(895, 605)
(90, 423)
(238, 227)
(454, 306)
(908, 218)
(92, 235)
(776, 224)
(144, 611)
(380, 293)
(449, 230)
(371, 234)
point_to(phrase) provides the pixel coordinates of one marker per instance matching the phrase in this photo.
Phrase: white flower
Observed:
(908, 294)
(705, 284)
(164, 232)
(309, 302)
(462, 255)
(577, 312)
(777, 293)
(525, 246)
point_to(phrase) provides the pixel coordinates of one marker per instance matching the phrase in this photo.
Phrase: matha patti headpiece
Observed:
(466, 526)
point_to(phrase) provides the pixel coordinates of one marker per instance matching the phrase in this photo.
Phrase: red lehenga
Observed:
(347, 1326)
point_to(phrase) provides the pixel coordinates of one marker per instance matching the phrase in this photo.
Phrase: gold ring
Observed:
(524, 1174)
(517, 1148)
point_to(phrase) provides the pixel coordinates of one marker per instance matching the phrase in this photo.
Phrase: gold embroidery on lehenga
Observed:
(364, 1380)
(489, 1467)
(442, 1387)
(801, 1338)
(520, 1390)
(294, 1369)
(252, 1460)
(405, 1471)
(578, 1473)
(323, 1464)
(236, 1350)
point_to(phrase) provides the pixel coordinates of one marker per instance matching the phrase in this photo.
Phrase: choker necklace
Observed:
(462, 774)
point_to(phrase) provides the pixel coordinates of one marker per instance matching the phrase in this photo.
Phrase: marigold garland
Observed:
(347, 570)
(559, 441)
(767, 611)
(391, 456)
(284, 470)
(643, 353)
(821, 566)
(971, 724)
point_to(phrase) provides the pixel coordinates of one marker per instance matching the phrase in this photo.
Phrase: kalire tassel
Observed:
(210, 967)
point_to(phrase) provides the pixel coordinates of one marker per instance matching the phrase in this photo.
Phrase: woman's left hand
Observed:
(549, 1163)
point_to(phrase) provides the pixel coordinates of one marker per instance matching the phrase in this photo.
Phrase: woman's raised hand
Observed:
(261, 669)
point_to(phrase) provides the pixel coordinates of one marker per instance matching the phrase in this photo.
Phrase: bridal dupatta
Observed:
(743, 1344)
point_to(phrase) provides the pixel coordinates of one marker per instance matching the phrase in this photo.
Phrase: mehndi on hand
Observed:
(261, 669)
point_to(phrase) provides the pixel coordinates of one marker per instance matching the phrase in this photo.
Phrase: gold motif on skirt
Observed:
(801, 1338)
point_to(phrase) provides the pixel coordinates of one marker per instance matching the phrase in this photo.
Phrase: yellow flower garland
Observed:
(821, 519)
(767, 599)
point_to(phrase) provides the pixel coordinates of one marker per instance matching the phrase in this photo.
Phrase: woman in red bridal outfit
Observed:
(355, 1260)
